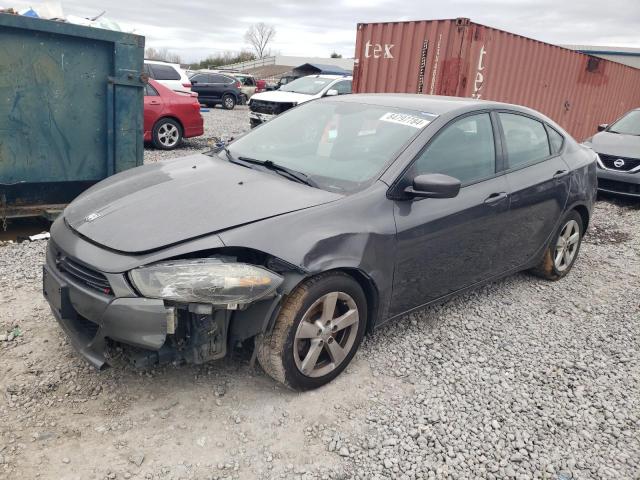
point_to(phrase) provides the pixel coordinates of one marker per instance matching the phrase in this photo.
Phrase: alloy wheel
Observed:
(326, 334)
(228, 102)
(168, 135)
(567, 245)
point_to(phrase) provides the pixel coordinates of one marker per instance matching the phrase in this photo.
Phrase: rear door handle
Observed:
(495, 198)
(154, 102)
(560, 173)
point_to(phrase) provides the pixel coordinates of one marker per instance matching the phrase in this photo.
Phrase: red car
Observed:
(170, 116)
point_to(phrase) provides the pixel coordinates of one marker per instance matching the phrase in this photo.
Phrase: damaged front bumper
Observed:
(150, 331)
(256, 118)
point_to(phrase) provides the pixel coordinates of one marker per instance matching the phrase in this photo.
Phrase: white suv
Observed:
(264, 106)
(168, 74)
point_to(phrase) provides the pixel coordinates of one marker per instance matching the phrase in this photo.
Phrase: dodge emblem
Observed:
(619, 163)
(91, 217)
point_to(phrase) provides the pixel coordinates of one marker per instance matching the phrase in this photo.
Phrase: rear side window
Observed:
(149, 91)
(164, 72)
(464, 150)
(555, 140)
(526, 139)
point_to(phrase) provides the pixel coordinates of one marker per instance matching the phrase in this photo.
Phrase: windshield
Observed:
(340, 146)
(307, 85)
(627, 125)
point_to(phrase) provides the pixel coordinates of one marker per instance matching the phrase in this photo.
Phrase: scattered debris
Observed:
(40, 236)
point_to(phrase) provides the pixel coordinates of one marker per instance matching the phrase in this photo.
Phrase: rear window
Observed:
(164, 72)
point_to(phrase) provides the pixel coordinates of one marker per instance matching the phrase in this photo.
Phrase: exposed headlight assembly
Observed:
(207, 280)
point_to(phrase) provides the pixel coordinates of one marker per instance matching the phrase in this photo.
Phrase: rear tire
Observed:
(166, 134)
(228, 102)
(317, 332)
(562, 252)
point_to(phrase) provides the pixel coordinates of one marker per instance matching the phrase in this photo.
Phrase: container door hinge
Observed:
(3, 212)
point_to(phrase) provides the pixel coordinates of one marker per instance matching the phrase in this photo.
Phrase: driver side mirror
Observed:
(602, 127)
(332, 92)
(433, 185)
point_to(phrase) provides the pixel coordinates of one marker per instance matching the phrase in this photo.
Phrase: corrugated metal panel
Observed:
(70, 108)
(458, 57)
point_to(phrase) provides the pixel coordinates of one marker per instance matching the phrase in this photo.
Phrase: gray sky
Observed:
(195, 28)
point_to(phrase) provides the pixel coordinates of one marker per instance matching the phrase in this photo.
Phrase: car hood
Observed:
(616, 144)
(279, 96)
(165, 203)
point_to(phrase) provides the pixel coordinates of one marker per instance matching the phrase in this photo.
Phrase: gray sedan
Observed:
(618, 147)
(315, 228)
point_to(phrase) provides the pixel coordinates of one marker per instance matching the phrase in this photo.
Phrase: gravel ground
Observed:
(218, 124)
(522, 378)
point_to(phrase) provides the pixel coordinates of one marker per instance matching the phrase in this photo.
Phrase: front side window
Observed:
(342, 146)
(343, 87)
(164, 72)
(627, 125)
(200, 78)
(464, 150)
(307, 85)
(526, 139)
(213, 78)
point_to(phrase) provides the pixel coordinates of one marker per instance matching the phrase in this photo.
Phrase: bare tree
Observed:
(163, 54)
(259, 36)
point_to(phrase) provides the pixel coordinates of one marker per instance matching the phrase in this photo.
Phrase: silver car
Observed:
(618, 147)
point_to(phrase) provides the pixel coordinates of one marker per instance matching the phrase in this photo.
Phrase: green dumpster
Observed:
(71, 111)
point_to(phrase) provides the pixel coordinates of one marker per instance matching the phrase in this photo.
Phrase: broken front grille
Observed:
(622, 164)
(270, 108)
(85, 275)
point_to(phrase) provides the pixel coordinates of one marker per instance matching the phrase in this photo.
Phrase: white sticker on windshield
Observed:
(404, 119)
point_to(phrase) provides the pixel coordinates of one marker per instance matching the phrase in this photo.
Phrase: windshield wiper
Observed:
(291, 174)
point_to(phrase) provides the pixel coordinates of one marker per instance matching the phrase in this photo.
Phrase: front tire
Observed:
(563, 250)
(167, 134)
(317, 332)
(228, 102)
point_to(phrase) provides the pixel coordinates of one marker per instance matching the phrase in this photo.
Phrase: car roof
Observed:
(436, 104)
(161, 62)
(333, 77)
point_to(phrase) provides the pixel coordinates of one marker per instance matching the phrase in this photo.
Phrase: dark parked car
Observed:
(618, 146)
(216, 89)
(322, 224)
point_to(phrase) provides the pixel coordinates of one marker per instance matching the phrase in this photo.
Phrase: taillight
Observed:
(186, 85)
(238, 85)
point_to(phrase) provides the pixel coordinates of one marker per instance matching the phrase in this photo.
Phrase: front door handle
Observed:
(560, 173)
(495, 198)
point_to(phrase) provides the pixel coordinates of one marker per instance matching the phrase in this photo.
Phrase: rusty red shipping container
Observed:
(465, 59)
